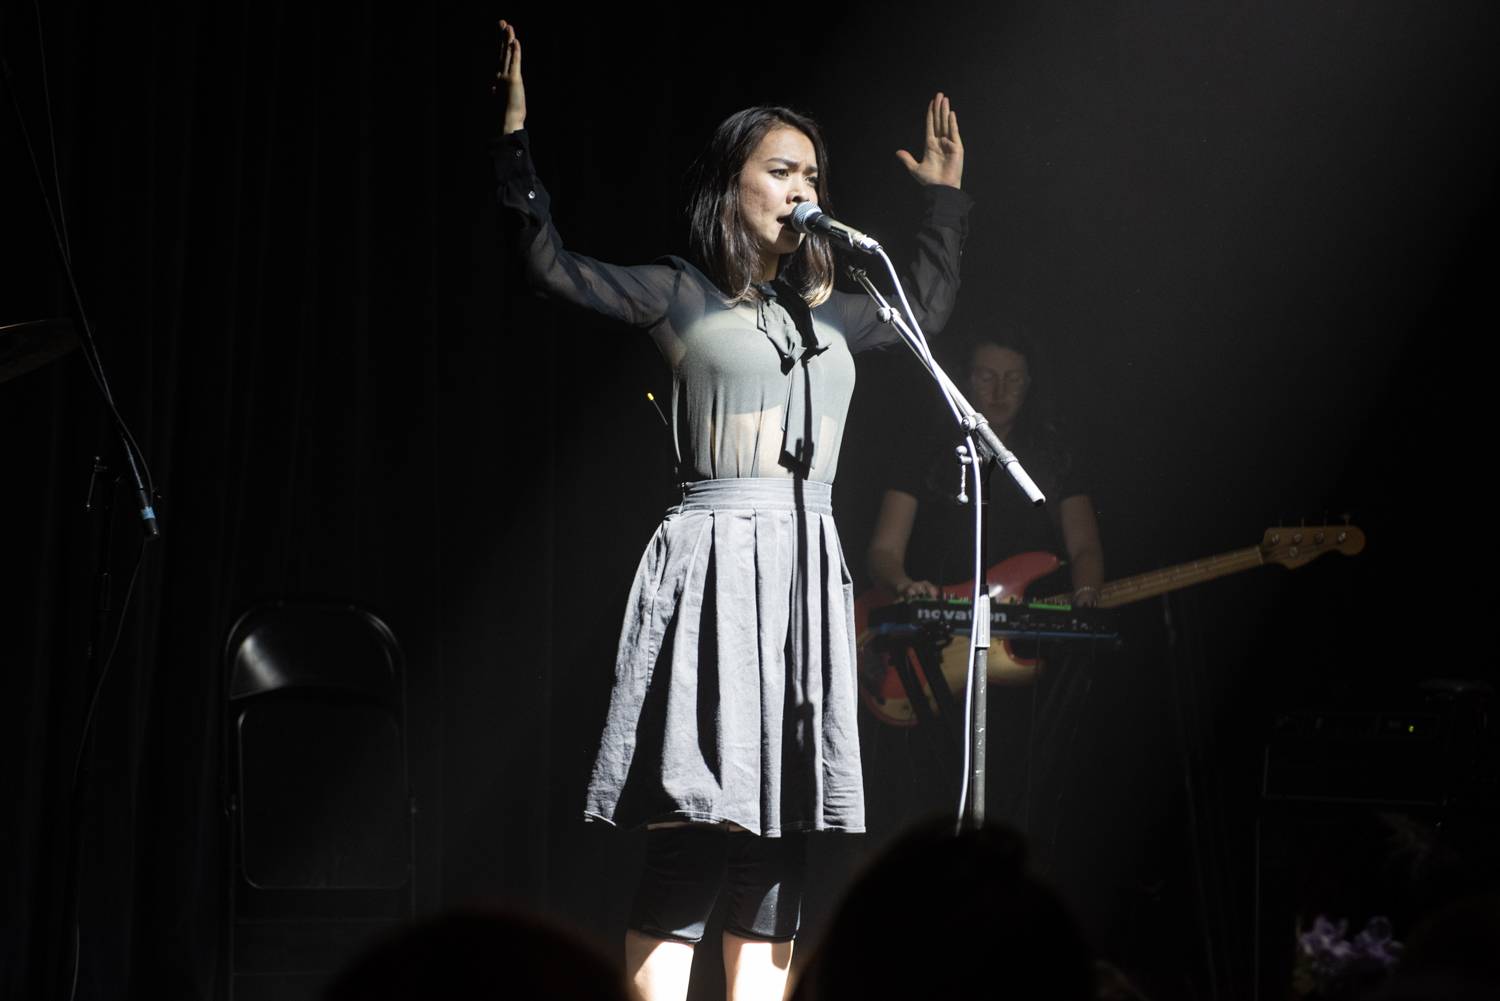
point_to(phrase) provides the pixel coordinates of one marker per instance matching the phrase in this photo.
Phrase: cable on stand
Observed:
(138, 472)
(981, 447)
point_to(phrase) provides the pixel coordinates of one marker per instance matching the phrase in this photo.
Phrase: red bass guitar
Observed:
(880, 684)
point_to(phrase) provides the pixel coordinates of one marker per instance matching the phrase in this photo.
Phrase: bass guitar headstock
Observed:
(1294, 545)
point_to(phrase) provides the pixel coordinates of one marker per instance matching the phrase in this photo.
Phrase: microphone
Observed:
(808, 218)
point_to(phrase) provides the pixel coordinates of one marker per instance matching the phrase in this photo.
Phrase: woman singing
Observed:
(731, 729)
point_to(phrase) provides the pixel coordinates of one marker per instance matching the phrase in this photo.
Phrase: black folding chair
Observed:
(316, 795)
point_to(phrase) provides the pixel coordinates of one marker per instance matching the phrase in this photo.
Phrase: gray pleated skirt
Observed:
(734, 695)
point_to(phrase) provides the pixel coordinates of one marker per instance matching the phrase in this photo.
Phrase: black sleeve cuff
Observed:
(517, 188)
(946, 206)
(512, 157)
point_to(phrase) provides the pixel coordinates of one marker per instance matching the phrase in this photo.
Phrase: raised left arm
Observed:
(932, 277)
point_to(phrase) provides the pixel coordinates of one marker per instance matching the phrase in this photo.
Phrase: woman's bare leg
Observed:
(658, 968)
(756, 970)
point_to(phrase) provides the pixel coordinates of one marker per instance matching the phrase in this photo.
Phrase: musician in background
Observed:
(923, 541)
(923, 537)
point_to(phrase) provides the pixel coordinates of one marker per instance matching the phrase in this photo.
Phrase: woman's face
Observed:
(781, 172)
(998, 378)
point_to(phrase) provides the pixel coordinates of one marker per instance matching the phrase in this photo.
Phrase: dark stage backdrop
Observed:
(1256, 242)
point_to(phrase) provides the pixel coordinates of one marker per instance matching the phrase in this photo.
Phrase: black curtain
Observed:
(278, 226)
(1256, 241)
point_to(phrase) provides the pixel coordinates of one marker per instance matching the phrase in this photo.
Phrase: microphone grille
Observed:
(804, 215)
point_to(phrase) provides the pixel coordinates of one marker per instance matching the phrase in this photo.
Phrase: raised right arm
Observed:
(638, 296)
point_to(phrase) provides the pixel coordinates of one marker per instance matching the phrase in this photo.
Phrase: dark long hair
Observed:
(716, 231)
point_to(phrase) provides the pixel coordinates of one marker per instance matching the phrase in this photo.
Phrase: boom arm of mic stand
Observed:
(990, 444)
(968, 418)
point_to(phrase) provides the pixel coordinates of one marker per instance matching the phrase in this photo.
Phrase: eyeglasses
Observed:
(1010, 380)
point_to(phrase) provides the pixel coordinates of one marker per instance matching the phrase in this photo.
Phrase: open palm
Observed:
(943, 153)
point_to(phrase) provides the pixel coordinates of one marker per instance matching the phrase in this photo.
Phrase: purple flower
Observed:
(1375, 945)
(1326, 957)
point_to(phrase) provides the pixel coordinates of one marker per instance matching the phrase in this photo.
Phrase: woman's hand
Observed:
(943, 156)
(508, 81)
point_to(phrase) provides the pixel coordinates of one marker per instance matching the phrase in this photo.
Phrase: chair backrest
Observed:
(315, 748)
(327, 647)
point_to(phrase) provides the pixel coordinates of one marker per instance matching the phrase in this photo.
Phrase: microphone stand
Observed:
(981, 445)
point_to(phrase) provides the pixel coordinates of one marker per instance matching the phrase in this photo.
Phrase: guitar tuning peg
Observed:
(1347, 518)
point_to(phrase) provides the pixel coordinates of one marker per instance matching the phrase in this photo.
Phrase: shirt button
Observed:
(531, 194)
(517, 154)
